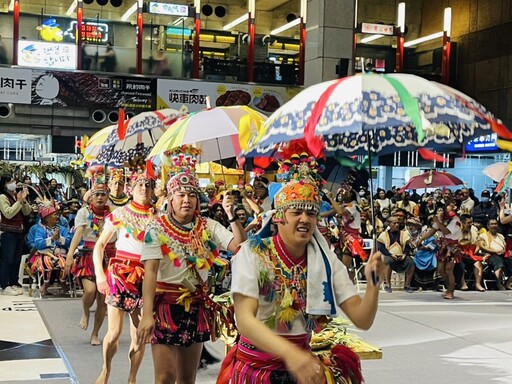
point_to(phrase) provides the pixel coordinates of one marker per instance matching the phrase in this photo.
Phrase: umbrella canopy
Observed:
(133, 139)
(220, 132)
(497, 171)
(391, 111)
(433, 179)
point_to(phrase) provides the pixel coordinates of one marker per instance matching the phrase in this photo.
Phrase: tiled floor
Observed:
(424, 338)
(26, 349)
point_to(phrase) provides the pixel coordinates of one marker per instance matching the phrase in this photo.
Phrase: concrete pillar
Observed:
(330, 37)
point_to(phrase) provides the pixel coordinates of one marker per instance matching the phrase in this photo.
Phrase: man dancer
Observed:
(181, 251)
(282, 285)
(117, 197)
(89, 223)
(122, 283)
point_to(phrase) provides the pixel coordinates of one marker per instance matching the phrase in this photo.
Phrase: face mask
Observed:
(361, 193)
(11, 187)
(484, 199)
(385, 215)
(415, 232)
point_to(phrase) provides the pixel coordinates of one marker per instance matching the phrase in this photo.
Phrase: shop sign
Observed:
(88, 90)
(15, 86)
(379, 29)
(483, 143)
(92, 32)
(40, 54)
(169, 9)
(193, 95)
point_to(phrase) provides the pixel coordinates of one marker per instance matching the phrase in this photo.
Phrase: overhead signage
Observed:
(169, 9)
(40, 54)
(91, 31)
(483, 143)
(88, 90)
(378, 29)
(50, 30)
(15, 86)
(193, 95)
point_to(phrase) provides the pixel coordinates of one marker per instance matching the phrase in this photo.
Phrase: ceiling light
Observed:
(447, 22)
(401, 17)
(424, 39)
(71, 8)
(129, 12)
(179, 20)
(371, 38)
(285, 27)
(235, 22)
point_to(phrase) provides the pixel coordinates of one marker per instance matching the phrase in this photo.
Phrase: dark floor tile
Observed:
(18, 351)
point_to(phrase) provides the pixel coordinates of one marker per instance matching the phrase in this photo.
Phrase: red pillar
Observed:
(250, 50)
(399, 67)
(15, 31)
(196, 47)
(445, 63)
(79, 24)
(140, 34)
(302, 51)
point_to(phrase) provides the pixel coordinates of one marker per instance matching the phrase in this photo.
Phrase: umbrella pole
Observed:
(221, 166)
(375, 278)
(368, 138)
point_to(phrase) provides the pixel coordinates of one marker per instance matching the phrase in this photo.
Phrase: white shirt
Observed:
(172, 274)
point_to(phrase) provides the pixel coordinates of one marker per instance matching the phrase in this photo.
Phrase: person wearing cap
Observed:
(284, 287)
(485, 210)
(51, 242)
(422, 244)
(180, 252)
(121, 282)
(13, 208)
(89, 223)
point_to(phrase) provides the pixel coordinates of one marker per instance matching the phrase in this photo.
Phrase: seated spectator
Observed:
(407, 204)
(393, 243)
(50, 242)
(485, 210)
(217, 213)
(492, 244)
(382, 199)
(423, 244)
(467, 204)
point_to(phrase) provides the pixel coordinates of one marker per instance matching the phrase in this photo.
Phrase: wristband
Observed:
(235, 218)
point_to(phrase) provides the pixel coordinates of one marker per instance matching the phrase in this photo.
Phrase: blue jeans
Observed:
(12, 249)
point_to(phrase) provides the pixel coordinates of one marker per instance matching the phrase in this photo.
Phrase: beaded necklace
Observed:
(134, 217)
(287, 287)
(97, 218)
(190, 243)
(119, 201)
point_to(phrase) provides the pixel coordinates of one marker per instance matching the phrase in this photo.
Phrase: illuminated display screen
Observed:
(40, 54)
(169, 9)
(483, 143)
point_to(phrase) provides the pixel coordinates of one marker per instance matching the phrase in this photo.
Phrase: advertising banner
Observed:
(72, 89)
(39, 54)
(15, 85)
(192, 95)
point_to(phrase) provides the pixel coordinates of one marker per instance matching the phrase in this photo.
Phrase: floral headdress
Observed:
(182, 166)
(98, 179)
(142, 172)
(116, 175)
(300, 188)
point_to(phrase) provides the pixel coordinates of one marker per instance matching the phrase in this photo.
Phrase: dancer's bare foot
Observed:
(102, 378)
(479, 288)
(449, 296)
(84, 323)
(95, 340)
